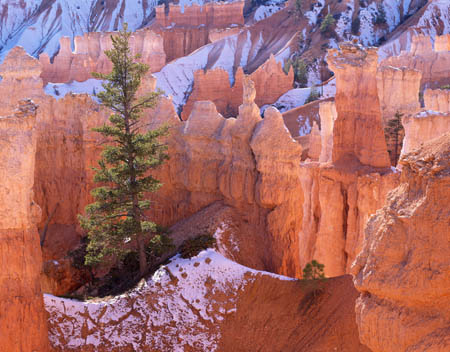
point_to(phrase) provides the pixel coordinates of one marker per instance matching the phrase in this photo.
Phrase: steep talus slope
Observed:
(402, 271)
(209, 303)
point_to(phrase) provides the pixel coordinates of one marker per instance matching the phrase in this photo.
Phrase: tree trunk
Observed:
(142, 255)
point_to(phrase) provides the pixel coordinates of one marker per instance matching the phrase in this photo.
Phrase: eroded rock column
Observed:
(23, 326)
(358, 132)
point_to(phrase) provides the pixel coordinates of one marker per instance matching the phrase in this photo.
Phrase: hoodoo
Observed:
(274, 176)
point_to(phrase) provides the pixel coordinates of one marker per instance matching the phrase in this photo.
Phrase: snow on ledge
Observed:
(179, 305)
(59, 90)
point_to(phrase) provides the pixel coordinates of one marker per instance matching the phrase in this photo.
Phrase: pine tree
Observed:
(313, 271)
(393, 133)
(116, 222)
(327, 23)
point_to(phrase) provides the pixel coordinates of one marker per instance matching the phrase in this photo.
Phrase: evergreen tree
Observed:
(313, 271)
(327, 23)
(393, 133)
(116, 222)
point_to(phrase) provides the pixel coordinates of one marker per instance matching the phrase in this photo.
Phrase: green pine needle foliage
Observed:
(327, 23)
(117, 221)
(313, 271)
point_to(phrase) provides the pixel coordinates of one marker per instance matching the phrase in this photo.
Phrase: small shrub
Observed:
(193, 246)
(327, 23)
(313, 95)
(313, 271)
(313, 279)
(300, 68)
(447, 86)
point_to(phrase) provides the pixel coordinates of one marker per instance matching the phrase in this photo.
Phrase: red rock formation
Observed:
(398, 91)
(442, 43)
(422, 127)
(437, 100)
(270, 81)
(402, 271)
(20, 73)
(89, 56)
(181, 41)
(315, 143)
(23, 324)
(358, 132)
(213, 14)
(433, 64)
(328, 115)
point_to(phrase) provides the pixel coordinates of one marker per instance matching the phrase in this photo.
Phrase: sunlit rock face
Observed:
(214, 85)
(89, 56)
(402, 270)
(23, 325)
(432, 62)
(358, 132)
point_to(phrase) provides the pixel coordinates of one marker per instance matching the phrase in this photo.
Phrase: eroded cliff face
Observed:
(89, 56)
(65, 151)
(432, 62)
(431, 122)
(250, 164)
(402, 270)
(212, 14)
(214, 85)
(23, 325)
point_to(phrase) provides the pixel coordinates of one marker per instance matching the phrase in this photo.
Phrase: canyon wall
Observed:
(431, 122)
(212, 14)
(23, 325)
(402, 270)
(88, 56)
(398, 91)
(249, 164)
(432, 63)
(270, 83)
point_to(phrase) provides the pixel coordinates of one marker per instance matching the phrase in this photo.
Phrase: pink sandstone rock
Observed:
(402, 270)
(23, 325)
(442, 43)
(358, 132)
(89, 56)
(422, 127)
(210, 14)
(433, 64)
(437, 100)
(328, 115)
(270, 82)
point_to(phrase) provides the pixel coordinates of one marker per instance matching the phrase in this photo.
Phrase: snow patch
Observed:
(59, 90)
(172, 308)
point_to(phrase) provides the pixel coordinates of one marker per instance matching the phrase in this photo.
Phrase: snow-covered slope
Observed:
(37, 25)
(180, 306)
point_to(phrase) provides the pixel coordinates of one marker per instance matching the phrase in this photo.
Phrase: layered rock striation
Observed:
(402, 270)
(212, 14)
